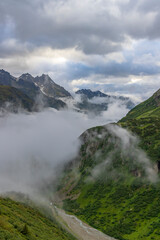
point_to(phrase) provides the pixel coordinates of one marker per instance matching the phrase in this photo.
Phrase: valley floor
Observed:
(81, 230)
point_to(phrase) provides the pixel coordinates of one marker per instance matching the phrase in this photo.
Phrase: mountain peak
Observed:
(47, 78)
(49, 87)
(2, 71)
(6, 78)
(27, 77)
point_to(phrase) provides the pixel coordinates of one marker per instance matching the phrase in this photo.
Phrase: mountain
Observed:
(90, 94)
(50, 88)
(19, 221)
(27, 85)
(96, 101)
(16, 97)
(113, 184)
(27, 77)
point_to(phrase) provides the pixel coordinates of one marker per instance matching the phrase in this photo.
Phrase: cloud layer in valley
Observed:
(35, 146)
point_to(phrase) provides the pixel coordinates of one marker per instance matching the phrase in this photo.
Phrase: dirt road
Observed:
(80, 229)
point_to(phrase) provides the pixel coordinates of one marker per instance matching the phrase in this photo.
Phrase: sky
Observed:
(107, 45)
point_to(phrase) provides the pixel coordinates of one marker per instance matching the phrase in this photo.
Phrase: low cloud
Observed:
(34, 147)
(134, 159)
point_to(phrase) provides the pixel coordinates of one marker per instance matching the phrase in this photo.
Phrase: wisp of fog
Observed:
(127, 146)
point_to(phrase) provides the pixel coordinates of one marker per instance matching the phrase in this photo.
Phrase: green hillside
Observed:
(15, 97)
(107, 185)
(149, 108)
(20, 222)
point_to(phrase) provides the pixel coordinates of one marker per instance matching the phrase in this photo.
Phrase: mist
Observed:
(34, 147)
(116, 109)
(126, 144)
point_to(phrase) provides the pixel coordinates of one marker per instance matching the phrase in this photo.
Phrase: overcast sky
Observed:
(110, 45)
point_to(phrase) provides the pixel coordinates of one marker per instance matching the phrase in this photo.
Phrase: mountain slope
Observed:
(16, 97)
(50, 88)
(148, 108)
(113, 185)
(18, 221)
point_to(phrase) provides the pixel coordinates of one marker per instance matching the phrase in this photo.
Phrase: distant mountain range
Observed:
(96, 101)
(42, 91)
(90, 94)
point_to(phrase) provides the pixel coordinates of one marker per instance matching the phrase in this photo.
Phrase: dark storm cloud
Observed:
(94, 26)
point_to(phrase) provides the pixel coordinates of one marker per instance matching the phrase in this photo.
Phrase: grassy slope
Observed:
(148, 108)
(18, 221)
(121, 205)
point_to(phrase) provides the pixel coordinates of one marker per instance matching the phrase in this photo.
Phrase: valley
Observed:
(79, 120)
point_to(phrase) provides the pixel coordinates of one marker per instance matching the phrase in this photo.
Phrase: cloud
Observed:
(93, 26)
(75, 40)
(34, 147)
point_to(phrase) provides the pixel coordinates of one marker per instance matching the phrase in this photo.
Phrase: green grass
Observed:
(18, 221)
(148, 108)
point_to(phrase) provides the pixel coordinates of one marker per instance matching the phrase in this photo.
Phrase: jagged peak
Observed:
(27, 77)
(26, 74)
(44, 78)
